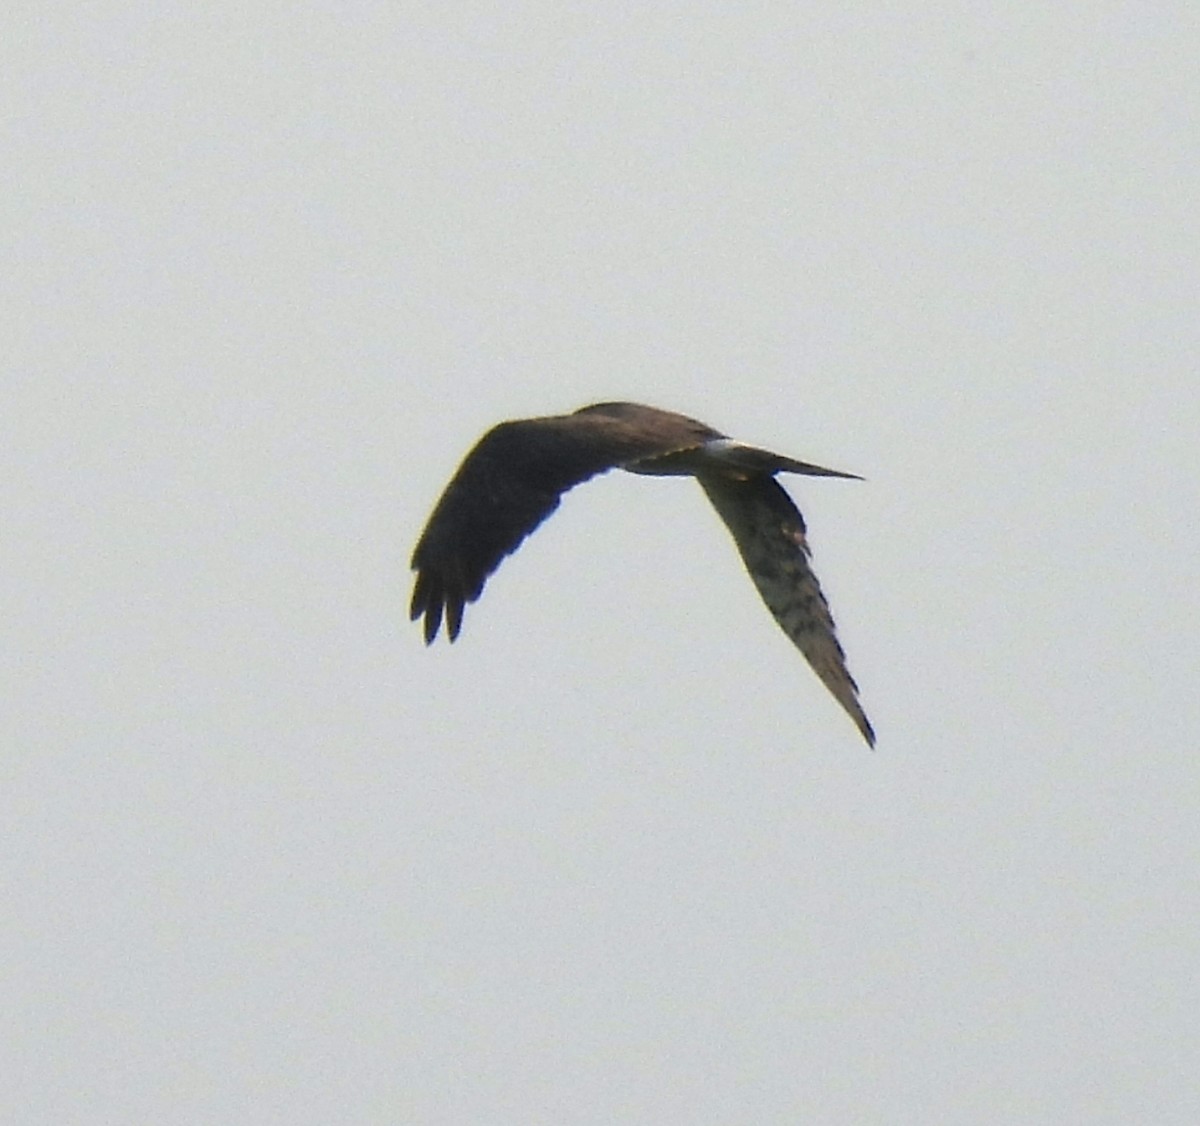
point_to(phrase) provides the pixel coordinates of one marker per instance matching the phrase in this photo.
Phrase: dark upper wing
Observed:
(770, 534)
(509, 483)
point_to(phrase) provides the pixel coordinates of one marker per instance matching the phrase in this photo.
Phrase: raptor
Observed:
(518, 471)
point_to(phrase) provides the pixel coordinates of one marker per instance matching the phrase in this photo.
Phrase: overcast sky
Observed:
(616, 856)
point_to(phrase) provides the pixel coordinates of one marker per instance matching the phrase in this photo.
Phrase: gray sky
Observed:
(616, 857)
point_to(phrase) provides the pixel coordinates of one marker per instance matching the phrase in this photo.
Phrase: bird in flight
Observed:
(516, 475)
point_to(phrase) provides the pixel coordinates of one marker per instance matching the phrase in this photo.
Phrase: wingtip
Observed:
(433, 621)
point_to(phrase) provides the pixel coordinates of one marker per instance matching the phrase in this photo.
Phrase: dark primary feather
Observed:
(512, 480)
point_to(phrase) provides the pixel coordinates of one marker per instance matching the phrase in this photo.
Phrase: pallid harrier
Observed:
(516, 474)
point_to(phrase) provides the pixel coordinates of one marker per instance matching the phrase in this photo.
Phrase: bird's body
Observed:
(517, 472)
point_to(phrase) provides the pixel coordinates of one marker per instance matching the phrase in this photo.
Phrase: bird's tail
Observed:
(754, 460)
